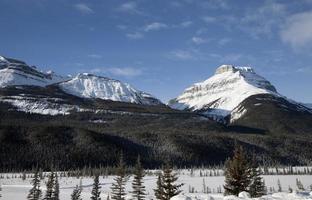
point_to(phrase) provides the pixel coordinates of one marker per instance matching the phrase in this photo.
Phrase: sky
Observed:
(162, 46)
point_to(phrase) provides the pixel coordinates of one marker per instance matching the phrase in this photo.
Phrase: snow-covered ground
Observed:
(14, 188)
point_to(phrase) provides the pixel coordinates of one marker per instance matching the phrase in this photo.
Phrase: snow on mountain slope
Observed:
(221, 93)
(309, 105)
(90, 86)
(15, 72)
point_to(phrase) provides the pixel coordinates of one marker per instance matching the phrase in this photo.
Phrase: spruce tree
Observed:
(237, 173)
(137, 184)
(56, 189)
(299, 185)
(96, 192)
(76, 195)
(159, 191)
(279, 186)
(35, 192)
(169, 178)
(257, 186)
(118, 187)
(50, 186)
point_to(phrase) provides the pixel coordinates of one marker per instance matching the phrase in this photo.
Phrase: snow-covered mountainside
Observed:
(30, 90)
(219, 95)
(91, 86)
(15, 72)
(309, 105)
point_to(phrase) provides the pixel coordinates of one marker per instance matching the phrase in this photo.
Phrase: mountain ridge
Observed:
(14, 72)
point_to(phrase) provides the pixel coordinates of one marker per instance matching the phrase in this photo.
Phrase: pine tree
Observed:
(96, 189)
(170, 188)
(35, 192)
(50, 186)
(279, 186)
(257, 186)
(299, 185)
(118, 187)
(137, 184)
(56, 189)
(159, 191)
(237, 173)
(76, 195)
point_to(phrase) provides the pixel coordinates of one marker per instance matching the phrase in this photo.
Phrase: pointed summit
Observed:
(224, 91)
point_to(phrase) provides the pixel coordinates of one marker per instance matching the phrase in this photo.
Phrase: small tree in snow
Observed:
(96, 190)
(279, 186)
(76, 195)
(137, 184)
(50, 186)
(299, 185)
(159, 191)
(237, 173)
(56, 190)
(168, 187)
(118, 187)
(257, 187)
(35, 192)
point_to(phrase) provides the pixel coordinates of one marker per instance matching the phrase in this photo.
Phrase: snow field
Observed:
(14, 188)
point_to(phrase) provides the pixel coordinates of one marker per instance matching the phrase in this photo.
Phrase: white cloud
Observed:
(135, 36)
(298, 30)
(181, 55)
(264, 19)
(155, 26)
(231, 57)
(186, 24)
(95, 56)
(209, 19)
(199, 40)
(129, 7)
(224, 41)
(119, 71)
(83, 8)
(215, 4)
(122, 27)
(127, 71)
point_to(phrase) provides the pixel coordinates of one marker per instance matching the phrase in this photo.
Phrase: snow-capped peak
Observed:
(224, 91)
(16, 72)
(92, 86)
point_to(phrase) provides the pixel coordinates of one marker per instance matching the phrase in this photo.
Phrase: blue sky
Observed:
(162, 46)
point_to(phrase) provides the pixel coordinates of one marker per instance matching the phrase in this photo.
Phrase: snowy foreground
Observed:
(17, 189)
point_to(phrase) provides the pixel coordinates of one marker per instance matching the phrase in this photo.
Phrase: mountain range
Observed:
(76, 116)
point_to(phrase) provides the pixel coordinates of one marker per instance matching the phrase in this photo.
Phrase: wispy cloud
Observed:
(135, 36)
(155, 26)
(224, 41)
(264, 19)
(83, 8)
(215, 4)
(186, 24)
(198, 40)
(129, 7)
(304, 70)
(95, 56)
(298, 30)
(209, 19)
(119, 71)
(181, 55)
